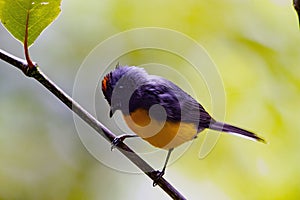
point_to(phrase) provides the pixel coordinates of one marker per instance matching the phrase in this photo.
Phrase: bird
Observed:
(159, 111)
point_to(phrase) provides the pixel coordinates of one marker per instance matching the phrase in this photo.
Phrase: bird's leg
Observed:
(119, 139)
(162, 172)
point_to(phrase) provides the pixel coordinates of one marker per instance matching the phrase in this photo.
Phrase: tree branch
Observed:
(37, 74)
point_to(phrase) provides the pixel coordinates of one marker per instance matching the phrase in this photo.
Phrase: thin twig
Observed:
(296, 4)
(36, 73)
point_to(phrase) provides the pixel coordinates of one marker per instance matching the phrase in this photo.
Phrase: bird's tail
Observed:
(219, 126)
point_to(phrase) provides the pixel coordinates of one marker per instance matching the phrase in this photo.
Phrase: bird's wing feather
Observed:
(179, 105)
(191, 110)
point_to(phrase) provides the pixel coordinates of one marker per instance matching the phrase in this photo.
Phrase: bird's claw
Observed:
(119, 139)
(159, 175)
(116, 141)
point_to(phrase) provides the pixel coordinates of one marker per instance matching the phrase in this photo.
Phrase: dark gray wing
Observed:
(191, 110)
(178, 105)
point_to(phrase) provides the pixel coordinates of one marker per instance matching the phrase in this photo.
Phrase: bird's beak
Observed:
(112, 111)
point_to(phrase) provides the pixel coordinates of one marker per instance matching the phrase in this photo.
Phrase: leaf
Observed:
(1, 5)
(15, 14)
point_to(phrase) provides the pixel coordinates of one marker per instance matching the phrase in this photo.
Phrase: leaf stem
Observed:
(26, 48)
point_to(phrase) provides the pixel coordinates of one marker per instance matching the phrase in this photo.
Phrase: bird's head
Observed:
(118, 84)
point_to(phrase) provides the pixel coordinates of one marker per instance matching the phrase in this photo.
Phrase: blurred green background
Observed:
(254, 43)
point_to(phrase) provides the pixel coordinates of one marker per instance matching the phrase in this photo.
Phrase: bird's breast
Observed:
(162, 134)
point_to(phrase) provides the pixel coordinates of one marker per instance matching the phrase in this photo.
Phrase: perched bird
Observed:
(159, 111)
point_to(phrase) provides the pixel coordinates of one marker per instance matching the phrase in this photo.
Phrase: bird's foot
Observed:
(119, 139)
(159, 175)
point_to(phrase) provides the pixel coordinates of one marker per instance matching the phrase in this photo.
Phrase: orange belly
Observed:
(164, 135)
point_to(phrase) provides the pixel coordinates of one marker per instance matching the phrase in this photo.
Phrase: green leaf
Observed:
(15, 14)
(1, 6)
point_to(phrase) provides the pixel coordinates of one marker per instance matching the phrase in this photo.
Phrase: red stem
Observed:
(26, 50)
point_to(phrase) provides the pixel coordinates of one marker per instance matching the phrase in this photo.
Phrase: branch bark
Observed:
(37, 74)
